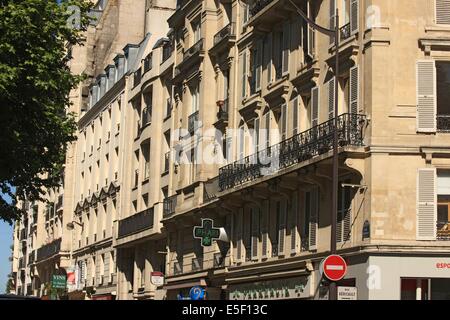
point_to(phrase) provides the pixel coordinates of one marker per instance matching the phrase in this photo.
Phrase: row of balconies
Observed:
(141, 221)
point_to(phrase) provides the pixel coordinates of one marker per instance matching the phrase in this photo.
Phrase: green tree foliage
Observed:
(35, 83)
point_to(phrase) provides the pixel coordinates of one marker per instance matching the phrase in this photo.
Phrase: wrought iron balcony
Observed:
(196, 48)
(301, 147)
(443, 122)
(345, 32)
(136, 223)
(258, 6)
(192, 122)
(169, 206)
(227, 31)
(48, 250)
(197, 264)
(443, 231)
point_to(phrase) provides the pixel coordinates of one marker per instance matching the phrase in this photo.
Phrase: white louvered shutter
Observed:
(295, 116)
(354, 90)
(255, 233)
(313, 218)
(264, 232)
(282, 228)
(239, 236)
(442, 11)
(426, 204)
(293, 218)
(286, 41)
(332, 24)
(258, 62)
(426, 96)
(283, 120)
(311, 34)
(354, 16)
(314, 106)
(330, 93)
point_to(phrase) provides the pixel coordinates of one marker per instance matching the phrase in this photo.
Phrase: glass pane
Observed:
(443, 87)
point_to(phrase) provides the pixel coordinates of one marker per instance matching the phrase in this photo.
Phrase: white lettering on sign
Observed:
(334, 267)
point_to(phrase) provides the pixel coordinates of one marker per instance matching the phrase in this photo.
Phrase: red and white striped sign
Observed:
(334, 267)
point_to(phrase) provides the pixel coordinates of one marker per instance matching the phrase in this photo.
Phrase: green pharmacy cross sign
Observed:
(207, 233)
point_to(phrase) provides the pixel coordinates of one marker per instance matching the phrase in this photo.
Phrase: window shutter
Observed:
(255, 233)
(330, 89)
(282, 228)
(426, 204)
(295, 116)
(239, 236)
(268, 57)
(243, 73)
(347, 224)
(283, 120)
(354, 90)
(256, 136)
(311, 34)
(293, 216)
(286, 38)
(267, 131)
(426, 96)
(339, 226)
(241, 142)
(442, 11)
(258, 62)
(264, 232)
(354, 16)
(313, 218)
(314, 106)
(332, 19)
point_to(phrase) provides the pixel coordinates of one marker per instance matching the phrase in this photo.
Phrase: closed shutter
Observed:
(313, 218)
(311, 33)
(295, 116)
(332, 25)
(238, 236)
(264, 231)
(255, 233)
(286, 40)
(426, 204)
(330, 91)
(258, 62)
(354, 90)
(268, 57)
(282, 228)
(293, 217)
(283, 120)
(314, 106)
(354, 16)
(426, 96)
(442, 11)
(347, 224)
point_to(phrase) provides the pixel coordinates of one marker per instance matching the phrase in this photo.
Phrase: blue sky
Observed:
(5, 251)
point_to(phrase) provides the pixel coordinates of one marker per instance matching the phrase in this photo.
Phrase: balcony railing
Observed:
(345, 32)
(443, 231)
(167, 162)
(258, 6)
(301, 147)
(196, 48)
(136, 223)
(169, 206)
(228, 30)
(443, 122)
(178, 267)
(48, 250)
(197, 264)
(192, 122)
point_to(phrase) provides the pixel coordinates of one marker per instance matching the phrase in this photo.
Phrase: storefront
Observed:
(181, 290)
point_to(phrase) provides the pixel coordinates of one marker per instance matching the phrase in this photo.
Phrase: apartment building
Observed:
(227, 113)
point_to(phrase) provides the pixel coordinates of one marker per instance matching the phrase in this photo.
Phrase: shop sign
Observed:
(59, 281)
(292, 288)
(157, 278)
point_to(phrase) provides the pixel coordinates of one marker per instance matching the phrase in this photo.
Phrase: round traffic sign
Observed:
(334, 267)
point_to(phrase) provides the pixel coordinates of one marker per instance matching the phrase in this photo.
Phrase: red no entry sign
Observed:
(334, 267)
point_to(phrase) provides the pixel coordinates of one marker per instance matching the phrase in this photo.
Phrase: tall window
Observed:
(443, 87)
(196, 31)
(195, 97)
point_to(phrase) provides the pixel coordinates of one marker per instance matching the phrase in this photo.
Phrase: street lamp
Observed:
(334, 197)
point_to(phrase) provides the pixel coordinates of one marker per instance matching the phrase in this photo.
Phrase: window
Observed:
(195, 95)
(443, 12)
(343, 227)
(146, 155)
(443, 94)
(196, 31)
(443, 205)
